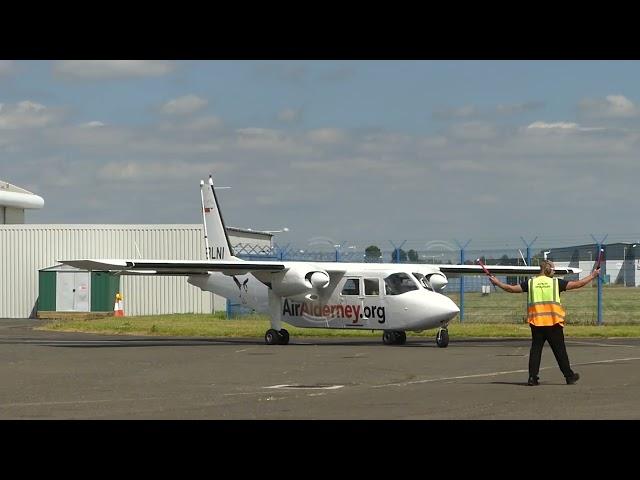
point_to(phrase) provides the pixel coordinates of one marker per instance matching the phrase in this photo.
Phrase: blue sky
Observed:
(359, 150)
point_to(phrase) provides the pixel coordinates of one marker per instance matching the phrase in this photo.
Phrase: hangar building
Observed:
(25, 249)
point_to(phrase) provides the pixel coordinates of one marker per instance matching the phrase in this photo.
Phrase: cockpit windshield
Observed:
(399, 283)
(422, 280)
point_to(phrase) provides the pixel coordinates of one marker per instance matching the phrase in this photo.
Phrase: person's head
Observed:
(547, 268)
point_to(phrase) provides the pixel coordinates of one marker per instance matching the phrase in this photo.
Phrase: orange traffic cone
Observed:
(118, 309)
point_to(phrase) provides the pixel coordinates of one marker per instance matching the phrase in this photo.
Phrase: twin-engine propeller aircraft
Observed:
(394, 298)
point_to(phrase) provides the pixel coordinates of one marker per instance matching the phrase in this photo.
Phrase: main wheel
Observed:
(284, 337)
(272, 337)
(388, 337)
(401, 338)
(442, 338)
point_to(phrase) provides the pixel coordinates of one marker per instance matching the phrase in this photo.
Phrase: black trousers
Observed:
(555, 336)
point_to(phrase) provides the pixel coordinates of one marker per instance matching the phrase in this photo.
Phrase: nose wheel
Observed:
(442, 338)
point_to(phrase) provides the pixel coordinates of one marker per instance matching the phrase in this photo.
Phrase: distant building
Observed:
(621, 264)
(27, 249)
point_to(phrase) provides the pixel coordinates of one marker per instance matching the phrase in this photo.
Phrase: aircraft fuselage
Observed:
(362, 298)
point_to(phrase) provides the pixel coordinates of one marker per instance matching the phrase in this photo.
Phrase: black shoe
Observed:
(532, 381)
(572, 379)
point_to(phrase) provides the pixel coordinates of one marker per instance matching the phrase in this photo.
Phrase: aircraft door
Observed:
(351, 302)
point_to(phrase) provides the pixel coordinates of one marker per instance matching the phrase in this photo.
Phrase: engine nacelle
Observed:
(437, 281)
(299, 279)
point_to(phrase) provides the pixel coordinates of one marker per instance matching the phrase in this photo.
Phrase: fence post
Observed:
(462, 279)
(282, 250)
(396, 251)
(600, 246)
(528, 245)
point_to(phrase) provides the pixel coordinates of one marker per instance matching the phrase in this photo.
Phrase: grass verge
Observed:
(187, 325)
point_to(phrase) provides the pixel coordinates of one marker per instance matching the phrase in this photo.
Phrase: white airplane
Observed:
(393, 298)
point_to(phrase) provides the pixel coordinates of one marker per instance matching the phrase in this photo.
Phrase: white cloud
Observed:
(25, 114)
(108, 69)
(564, 127)
(184, 105)
(612, 106)
(93, 124)
(553, 126)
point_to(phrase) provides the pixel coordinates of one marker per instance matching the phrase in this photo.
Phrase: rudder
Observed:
(217, 245)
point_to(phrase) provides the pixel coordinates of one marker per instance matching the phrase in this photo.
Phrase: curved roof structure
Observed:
(16, 197)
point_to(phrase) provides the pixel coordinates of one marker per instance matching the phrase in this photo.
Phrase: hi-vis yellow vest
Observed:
(543, 305)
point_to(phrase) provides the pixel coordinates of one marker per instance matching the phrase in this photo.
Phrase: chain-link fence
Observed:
(612, 299)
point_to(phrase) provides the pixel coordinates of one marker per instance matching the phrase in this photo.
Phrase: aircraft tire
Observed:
(442, 338)
(401, 338)
(388, 337)
(272, 337)
(284, 337)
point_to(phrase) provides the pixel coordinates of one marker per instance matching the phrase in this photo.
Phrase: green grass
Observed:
(498, 314)
(253, 326)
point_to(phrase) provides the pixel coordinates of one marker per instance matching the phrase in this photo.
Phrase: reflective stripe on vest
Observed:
(543, 305)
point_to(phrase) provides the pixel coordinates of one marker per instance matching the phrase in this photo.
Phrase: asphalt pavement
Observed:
(47, 375)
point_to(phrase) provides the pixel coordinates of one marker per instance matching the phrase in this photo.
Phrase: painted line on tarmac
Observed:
(306, 387)
(493, 374)
(608, 361)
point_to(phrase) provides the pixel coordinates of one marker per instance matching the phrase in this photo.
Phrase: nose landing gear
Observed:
(442, 338)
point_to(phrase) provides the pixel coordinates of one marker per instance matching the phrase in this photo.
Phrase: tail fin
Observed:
(216, 240)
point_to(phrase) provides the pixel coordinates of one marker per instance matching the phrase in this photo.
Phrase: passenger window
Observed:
(351, 287)
(399, 283)
(371, 286)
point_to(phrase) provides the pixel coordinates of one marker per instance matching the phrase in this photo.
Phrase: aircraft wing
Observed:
(500, 270)
(175, 267)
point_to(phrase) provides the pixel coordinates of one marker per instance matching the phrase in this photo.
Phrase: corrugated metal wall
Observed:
(25, 249)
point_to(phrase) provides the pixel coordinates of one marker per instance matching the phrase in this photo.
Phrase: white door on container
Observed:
(73, 291)
(82, 292)
(65, 286)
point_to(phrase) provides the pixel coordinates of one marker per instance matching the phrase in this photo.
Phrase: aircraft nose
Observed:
(446, 308)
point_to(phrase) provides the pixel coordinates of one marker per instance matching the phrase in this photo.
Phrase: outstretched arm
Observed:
(506, 287)
(572, 285)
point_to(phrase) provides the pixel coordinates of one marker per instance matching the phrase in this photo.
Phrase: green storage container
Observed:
(67, 289)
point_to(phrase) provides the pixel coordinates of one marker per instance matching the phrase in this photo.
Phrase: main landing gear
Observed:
(275, 337)
(442, 338)
(394, 337)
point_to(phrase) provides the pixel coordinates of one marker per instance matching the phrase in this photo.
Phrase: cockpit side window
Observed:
(399, 283)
